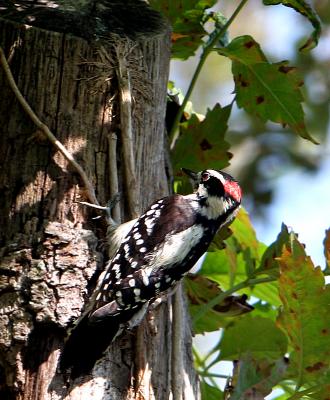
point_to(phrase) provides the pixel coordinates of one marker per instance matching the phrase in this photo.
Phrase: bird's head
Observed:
(218, 192)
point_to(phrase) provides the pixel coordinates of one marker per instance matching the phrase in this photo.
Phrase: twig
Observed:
(177, 346)
(113, 174)
(98, 207)
(44, 128)
(127, 132)
(126, 129)
(174, 134)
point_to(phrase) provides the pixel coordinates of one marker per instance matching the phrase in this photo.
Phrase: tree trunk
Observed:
(51, 248)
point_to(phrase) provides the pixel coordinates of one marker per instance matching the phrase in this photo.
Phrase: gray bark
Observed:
(51, 250)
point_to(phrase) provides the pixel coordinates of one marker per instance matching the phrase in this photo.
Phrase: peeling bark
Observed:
(51, 250)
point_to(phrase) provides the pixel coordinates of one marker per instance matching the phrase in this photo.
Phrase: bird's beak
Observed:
(194, 176)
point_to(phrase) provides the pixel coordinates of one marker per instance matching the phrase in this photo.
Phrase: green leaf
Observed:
(265, 310)
(245, 235)
(218, 242)
(269, 263)
(256, 378)
(187, 19)
(200, 291)
(209, 392)
(304, 9)
(227, 268)
(305, 315)
(238, 261)
(244, 49)
(257, 336)
(269, 91)
(204, 139)
(320, 393)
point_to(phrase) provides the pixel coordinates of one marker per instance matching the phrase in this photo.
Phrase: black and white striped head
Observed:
(219, 193)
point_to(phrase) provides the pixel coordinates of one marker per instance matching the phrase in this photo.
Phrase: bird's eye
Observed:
(205, 176)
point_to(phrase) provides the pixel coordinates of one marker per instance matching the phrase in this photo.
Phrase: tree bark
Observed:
(51, 248)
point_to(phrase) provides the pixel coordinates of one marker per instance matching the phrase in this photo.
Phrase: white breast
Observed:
(176, 247)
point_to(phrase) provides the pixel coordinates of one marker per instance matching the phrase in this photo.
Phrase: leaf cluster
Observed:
(284, 342)
(279, 338)
(266, 90)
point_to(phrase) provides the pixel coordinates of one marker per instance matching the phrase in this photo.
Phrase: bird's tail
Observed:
(86, 344)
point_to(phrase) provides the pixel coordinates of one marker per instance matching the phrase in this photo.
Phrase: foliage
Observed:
(204, 141)
(284, 342)
(269, 91)
(272, 145)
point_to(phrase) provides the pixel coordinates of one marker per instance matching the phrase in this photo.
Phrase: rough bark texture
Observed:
(50, 247)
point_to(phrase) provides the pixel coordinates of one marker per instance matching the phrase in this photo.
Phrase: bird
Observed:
(150, 255)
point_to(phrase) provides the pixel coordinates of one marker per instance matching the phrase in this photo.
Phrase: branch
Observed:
(126, 128)
(44, 128)
(177, 345)
(174, 134)
(113, 174)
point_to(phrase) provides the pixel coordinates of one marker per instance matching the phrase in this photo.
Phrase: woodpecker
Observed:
(151, 254)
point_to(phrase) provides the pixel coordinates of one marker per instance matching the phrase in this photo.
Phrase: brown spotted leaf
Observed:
(269, 91)
(200, 290)
(204, 140)
(254, 379)
(305, 314)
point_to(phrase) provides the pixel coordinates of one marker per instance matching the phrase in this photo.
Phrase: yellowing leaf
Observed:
(305, 315)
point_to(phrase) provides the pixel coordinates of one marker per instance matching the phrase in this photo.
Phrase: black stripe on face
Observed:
(213, 186)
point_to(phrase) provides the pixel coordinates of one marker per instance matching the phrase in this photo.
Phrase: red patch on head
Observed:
(233, 190)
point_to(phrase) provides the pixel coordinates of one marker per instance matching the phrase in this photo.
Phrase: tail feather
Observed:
(86, 344)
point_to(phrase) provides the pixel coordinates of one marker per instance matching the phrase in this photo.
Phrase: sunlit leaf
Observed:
(303, 8)
(227, 268)
(244, 234)
(320, 393)
(242, 245)
(239, 260)
(257, 336)
(205, 140)
(305, 313)
(269, 91)
(265, 310)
